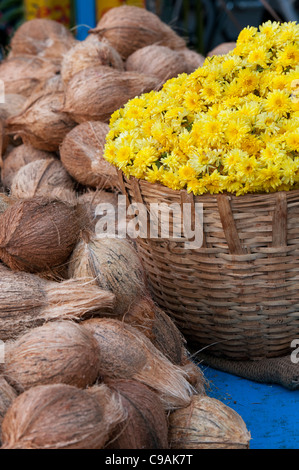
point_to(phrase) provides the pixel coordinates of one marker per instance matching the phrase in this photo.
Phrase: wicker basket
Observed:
(239, 293)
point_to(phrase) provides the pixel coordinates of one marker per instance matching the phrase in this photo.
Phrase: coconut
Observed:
(56, 352)
(94, 93)
(129, 28)
(28, 301)
(193, 59)
(159, 61)
(21, 75)
(13, 105)
(81, 153)
(88, 53)
(207, 423)
(40, 178)
(222, 49)
(113, 264)
(146, 424)
(42, 37)
(37, 234)
(41, 124)
(125, 353)
(61, 417)
(5, 202)
(52, 85)
(17, 157)
(90, 202)
(7, 396)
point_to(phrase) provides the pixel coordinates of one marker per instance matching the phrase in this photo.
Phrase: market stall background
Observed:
(270, 412)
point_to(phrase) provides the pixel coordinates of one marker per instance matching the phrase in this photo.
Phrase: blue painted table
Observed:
(271, 412)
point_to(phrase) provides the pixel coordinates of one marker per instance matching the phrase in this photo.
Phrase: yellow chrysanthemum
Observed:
(232, 125)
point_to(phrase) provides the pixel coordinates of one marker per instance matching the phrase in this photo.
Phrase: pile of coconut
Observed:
(90, 360)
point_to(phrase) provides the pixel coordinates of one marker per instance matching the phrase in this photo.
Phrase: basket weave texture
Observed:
(239, 293)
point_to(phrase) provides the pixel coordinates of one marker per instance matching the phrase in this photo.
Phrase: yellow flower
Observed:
(278, 102)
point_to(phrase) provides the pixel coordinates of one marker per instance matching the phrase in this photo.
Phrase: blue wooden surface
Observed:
(271, 412)
(85, 17)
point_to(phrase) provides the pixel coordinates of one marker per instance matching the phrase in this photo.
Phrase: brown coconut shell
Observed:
(28, 301)
(129, 28)
(37, 234)
(159, 61)
(207, 423)
(13, 105)
(222, 49)
(81, 153)
(40, 178)
(52, 85)
(21, 75)
(61, 417)
(88, 53)
(192, 59)
(17, 157)
(125, 353)
(42, 37)
(56, 352)
(94, 93)
(41, 124)
(113, 264)
(146, 425)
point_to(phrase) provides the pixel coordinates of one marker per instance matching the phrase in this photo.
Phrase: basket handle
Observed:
(229, 225)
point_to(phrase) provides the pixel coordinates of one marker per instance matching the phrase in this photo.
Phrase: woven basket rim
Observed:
(244, 197)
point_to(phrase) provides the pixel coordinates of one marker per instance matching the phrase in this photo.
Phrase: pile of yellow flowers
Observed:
(232, 125)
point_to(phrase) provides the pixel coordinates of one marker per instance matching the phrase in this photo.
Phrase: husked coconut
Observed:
(87, 53)
(129, 28)
(94, 93)
(159, 61)
(42, 124)
(38, 234)
(17, 157)
(42, 37)
(40, 178)
(81, 153)
(61, 416)
(207, 423)
(21, 75)
(222, 49)
(193, 59)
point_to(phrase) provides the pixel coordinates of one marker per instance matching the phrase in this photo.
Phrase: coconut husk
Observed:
(207, 423)
(222, 49)
(96, 92)
(17, 157)
(88, 53)
(146, 425)
(125, 353)
(159, 61)
(193, 59)
(13, 105)
(61, 417)
(56, 352)
(41, 124)
(42, 37)
(7, 396)
(81, 153)
(28, 301)
(21, 75)
(129, 28)
(38, 234)
(112, 264)
(40, 178)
